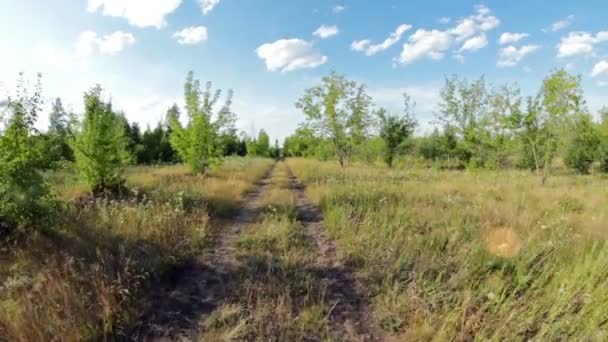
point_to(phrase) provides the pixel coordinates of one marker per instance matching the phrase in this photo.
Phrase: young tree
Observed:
(338, 109)
(463, 106)
(562, 99)
(263, 144)
(251, 145)
(395, 130)
(60, 131)
(603, 136)
(25, 198)
(101, 146)
(583, 144)
(497, 133)
(167, 152)
(199, 143)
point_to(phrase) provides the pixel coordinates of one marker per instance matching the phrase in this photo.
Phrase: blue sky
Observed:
(270, 51)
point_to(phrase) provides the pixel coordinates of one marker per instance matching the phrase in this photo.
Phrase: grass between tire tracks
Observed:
(278, 297)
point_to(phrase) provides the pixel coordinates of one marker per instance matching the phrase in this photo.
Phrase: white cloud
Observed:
(208, 5)
(444, 20)
(48, 53)
(474, 43)
(326, 31)
(479, 22)
(338, 8)
(510, 56)
(140, 13)
(602, 83)
(434, 43)
(113, 43)
(465, 28)
(560, 24)
(580, 43)
(290, 54)
(423, 43)
(191, 35)
(372, 49)
(85, 46)
(600, 68)
(110, 44)
(360, 45)
(508, 37)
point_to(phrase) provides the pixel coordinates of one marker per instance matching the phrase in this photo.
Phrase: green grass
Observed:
(462, 255)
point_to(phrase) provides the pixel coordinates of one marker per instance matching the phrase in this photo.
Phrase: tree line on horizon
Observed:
(101, 144)
(479, 127)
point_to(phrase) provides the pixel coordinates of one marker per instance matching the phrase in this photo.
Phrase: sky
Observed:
(269, 52)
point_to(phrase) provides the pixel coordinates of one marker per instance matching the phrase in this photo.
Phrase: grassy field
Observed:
(86, 278)
(446, 255)
(456, 255)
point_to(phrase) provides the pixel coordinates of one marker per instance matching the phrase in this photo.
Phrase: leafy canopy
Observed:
(101, 146)
(199, 143)
(338, 110)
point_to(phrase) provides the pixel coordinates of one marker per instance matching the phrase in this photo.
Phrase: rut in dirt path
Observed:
(350, 317)
(192, 292)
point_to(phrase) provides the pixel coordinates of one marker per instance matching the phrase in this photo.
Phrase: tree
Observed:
(199, 143)
(337, 109)
(583, 144)
(497, 132)
(101, 146)
(603, 136)
(167, 152)
(25, 198)
(463, 106)
(251, 145)
(562, 99)
(275, 151)
(61, 130)
(395, 130)
(300, 144)
(532, 134)
(263, 144)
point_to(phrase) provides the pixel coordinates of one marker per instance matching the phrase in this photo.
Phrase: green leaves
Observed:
(338, 110)
(25, 198)
(101, 146)
(200, 142)
(395, 130)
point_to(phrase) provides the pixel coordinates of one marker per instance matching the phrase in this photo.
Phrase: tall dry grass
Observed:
(85, 279)
(488, 255)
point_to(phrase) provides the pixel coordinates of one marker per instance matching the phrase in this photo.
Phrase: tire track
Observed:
(192, 292)
(350, 317)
